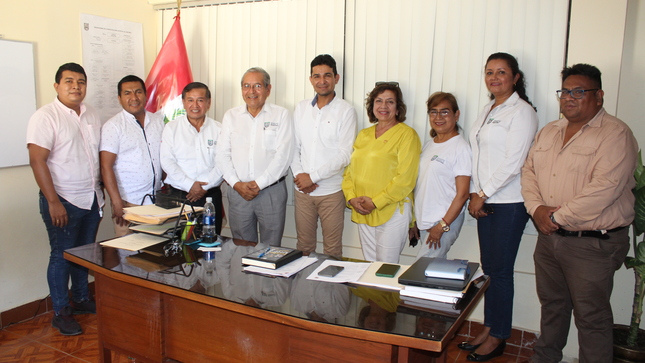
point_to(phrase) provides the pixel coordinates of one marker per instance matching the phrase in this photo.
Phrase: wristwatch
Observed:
(445, 226)
(482, 194)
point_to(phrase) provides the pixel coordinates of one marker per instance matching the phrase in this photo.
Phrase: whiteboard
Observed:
(17, 100)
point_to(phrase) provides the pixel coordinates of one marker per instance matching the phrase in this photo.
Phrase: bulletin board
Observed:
(17, 100)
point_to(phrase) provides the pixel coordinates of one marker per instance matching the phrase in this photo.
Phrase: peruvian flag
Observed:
(169, 75)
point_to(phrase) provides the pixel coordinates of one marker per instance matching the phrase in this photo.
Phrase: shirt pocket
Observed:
(581, 159)
(270, 139)
(543, 153)
(328, 134)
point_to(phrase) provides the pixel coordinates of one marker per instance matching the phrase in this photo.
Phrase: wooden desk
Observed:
(157, 322)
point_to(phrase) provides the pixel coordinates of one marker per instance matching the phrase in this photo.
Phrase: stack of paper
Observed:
(134, 241)
(154, 215)
(413, 294)
(285, 271)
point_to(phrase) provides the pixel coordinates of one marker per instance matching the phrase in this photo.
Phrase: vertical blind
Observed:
(425, 45)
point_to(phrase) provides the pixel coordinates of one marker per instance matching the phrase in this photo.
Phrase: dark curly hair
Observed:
(401, 108)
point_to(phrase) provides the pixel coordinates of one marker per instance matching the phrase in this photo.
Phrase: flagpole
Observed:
(178, 7)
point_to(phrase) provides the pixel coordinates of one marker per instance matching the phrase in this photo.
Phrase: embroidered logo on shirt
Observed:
(492, 120)
(437, 158)
(274, 124)
(211, 142)
(267, 124)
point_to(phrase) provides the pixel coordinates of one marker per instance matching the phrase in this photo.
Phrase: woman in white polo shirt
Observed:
(444, 179)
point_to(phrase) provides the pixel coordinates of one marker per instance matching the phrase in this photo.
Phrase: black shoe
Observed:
(467, 346)
(499, 350)
(65, 322)
(84, 307)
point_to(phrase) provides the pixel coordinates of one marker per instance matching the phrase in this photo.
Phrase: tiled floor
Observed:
(36, 341)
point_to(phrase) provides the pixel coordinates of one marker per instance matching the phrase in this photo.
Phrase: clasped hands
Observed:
(248, 190)
(304, 183)
(196, 192)
(363, 205)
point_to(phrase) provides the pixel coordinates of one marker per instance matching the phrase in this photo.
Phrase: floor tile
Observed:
(71, 344)
(35, 328)
(71, 359)
(9, 340)
(33, 352)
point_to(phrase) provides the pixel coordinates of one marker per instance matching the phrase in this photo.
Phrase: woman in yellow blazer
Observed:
(381, 175)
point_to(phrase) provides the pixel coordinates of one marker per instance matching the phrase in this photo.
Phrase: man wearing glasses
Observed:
(254, 153)
(576, 184)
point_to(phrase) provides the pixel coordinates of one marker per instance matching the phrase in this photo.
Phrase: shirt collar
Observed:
(315, 100)
(67, 109)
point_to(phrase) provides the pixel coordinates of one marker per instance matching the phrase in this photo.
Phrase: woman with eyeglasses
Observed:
(381, 175)
(500, 140)
(444, 180)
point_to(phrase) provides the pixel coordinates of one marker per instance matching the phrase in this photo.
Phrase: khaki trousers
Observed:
(331, 211)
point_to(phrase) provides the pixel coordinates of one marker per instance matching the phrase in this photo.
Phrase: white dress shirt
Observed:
(323, 142)
(500, 140)
(188, 156)
(137, 167)
(255, 148)
(73, 144)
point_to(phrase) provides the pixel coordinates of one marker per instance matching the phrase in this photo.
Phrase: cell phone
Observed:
(387, 270)
(331, 271)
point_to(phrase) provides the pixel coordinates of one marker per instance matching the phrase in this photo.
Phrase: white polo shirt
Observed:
(73, 144)
(323, 142)
(137, 167)
(188, 156)
(255, 148)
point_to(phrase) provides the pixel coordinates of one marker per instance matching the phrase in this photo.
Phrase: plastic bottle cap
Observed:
(209, 199)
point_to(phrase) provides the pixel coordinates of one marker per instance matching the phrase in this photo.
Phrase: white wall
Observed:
(54, 27)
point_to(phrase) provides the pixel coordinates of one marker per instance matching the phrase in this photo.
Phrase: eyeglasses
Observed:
(395, 84)
(435, 113)
(257, 86)
(575, 93)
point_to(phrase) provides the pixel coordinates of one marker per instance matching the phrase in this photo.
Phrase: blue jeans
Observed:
(499, 239)
(80, 230)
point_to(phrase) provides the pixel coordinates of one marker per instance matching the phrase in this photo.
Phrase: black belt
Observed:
(594, 234)
(279, 180)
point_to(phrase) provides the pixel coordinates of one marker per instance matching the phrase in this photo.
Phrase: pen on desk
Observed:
(264, 253)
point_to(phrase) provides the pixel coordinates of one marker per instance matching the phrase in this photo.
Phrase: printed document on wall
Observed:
(112, 49)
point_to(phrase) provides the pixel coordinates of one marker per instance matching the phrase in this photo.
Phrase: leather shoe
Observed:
(499, 350)
(467, 346)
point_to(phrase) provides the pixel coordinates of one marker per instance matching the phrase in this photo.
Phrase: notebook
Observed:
(416, 276)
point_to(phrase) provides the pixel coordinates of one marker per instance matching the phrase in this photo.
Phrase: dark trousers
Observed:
(577, 274)
(80, 230)
(499, 239)
(214, 193)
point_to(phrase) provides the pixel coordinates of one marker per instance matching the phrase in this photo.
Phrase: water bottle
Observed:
(209, 262)
(208, 223)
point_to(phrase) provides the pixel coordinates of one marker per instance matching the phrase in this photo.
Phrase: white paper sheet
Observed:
(134, 241)
(352, 271)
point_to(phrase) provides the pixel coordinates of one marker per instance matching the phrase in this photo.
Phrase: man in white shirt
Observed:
(129, 152)
(188, 151)
(254, 153)
(324, 129)
(63, 143)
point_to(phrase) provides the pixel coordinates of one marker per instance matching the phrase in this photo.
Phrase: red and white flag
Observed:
(169, 75)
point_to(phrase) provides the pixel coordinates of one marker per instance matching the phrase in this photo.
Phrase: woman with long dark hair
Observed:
(500, 140)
